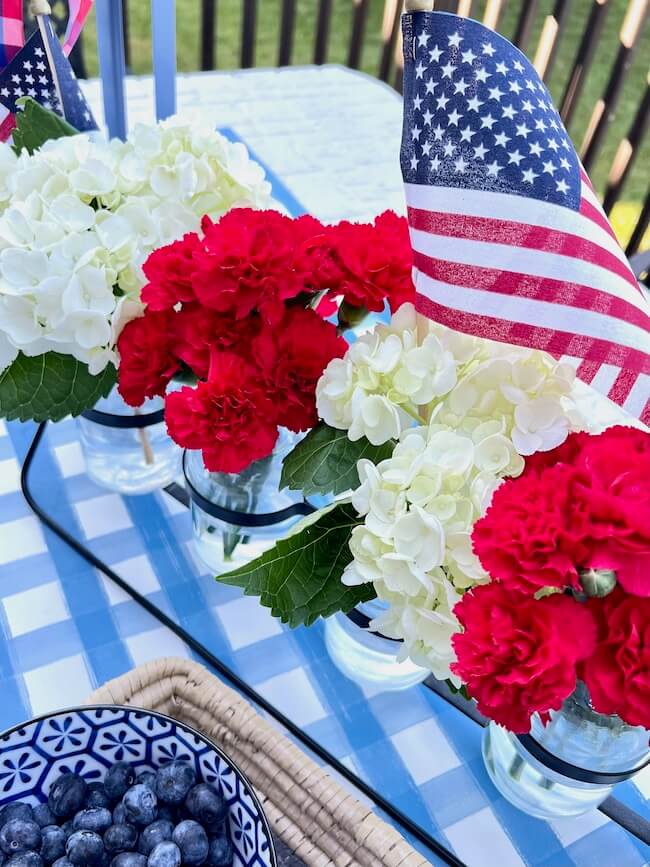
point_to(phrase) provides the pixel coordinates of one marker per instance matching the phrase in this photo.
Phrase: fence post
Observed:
(110, 45)
(163, 33)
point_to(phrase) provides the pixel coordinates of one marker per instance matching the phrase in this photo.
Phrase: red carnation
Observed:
(532, 534)
(518, 655)
(294, 360)
(612, 495)
(229, 417)
(169, 272)
(197, 331)
(147, 363)
(374, 263)
(617, 674)
(249, 262)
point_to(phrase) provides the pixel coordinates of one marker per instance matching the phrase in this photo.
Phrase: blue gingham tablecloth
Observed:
(65, 629)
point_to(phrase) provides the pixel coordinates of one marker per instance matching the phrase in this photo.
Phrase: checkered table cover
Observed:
(64, 629)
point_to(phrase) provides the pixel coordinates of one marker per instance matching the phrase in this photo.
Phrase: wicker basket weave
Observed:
(307, 809)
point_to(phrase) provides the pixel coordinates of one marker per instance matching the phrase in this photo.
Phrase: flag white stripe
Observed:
(500, 206)
(605, 378)
(591, 197)
(638, 396)
(523, 260)
(534, 312)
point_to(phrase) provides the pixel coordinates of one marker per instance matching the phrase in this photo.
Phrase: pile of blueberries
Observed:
(161, 819)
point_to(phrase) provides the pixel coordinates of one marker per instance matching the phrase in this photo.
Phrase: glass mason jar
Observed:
(367, 657)
(236, 517)
(128, 450)
(568, 766)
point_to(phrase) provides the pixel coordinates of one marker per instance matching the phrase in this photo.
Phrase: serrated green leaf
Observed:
(51, 386)
(35, 125)
(325, 461)
(299, 579)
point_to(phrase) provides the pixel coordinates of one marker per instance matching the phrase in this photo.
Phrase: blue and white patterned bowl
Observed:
(87, 741)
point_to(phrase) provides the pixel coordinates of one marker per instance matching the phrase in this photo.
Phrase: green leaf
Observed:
(35, 125)
(458, 690)
(300, 578)
(325, 461)
(51, 386)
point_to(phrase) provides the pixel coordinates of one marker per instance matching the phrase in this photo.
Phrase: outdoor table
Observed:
(329, 140)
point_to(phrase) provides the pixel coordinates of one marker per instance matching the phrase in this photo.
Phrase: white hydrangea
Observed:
(79, 217)
(418, 509)
(417, 369)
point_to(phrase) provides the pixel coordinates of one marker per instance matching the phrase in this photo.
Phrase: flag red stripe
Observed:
(594, 214)
(551, 340)
(645, 415)
(518, 234)
(7, 126)
(587, 370)
(529, 286)
(623, 384)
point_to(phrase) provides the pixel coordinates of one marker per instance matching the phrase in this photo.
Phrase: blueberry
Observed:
(43, 816)
(129, 859)
(221, 852)
(84, 847)
(16, 810)
(121, 838)
(96, 797)
(141, 805)
(62, 862)
(159, 831)
(67, 828)
(165, 855)
(67, 795)
(119, 815)
(192, 840)
(25, 859)
(173, 782)
(53, 843)
(119, 778)
(97, 819)
(207, 806)
(167, 812)
(147, 778)
(19, 836)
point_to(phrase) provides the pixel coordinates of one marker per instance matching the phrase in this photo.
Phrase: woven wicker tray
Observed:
(317, 822)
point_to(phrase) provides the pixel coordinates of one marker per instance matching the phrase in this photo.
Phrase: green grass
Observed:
(228, 37)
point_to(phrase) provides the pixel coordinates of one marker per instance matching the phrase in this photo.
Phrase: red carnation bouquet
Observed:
(239, 311)
(567, 546)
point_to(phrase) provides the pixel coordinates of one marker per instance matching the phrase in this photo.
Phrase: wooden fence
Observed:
(543, 53)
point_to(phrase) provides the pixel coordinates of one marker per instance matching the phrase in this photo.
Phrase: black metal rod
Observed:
(227, 673)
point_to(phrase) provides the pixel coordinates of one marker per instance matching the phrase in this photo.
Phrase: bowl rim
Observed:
(155, 713)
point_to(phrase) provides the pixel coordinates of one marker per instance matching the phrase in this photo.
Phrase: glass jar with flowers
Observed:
(91, 211)
(403, 429)
(236, 315)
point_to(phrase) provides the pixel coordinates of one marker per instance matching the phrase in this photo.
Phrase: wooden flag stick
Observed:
(40, 7)
(419, 5)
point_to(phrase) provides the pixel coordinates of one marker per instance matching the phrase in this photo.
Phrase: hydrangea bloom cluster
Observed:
(417, 369)
(481, 405)
(79, 217)
(419, 508)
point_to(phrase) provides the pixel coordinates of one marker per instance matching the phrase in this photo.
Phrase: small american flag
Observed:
(509, 239)
(78, 12)
(42, 71)
(12, 34)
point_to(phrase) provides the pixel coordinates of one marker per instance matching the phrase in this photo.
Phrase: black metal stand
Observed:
(631, 821)
(223, 670)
